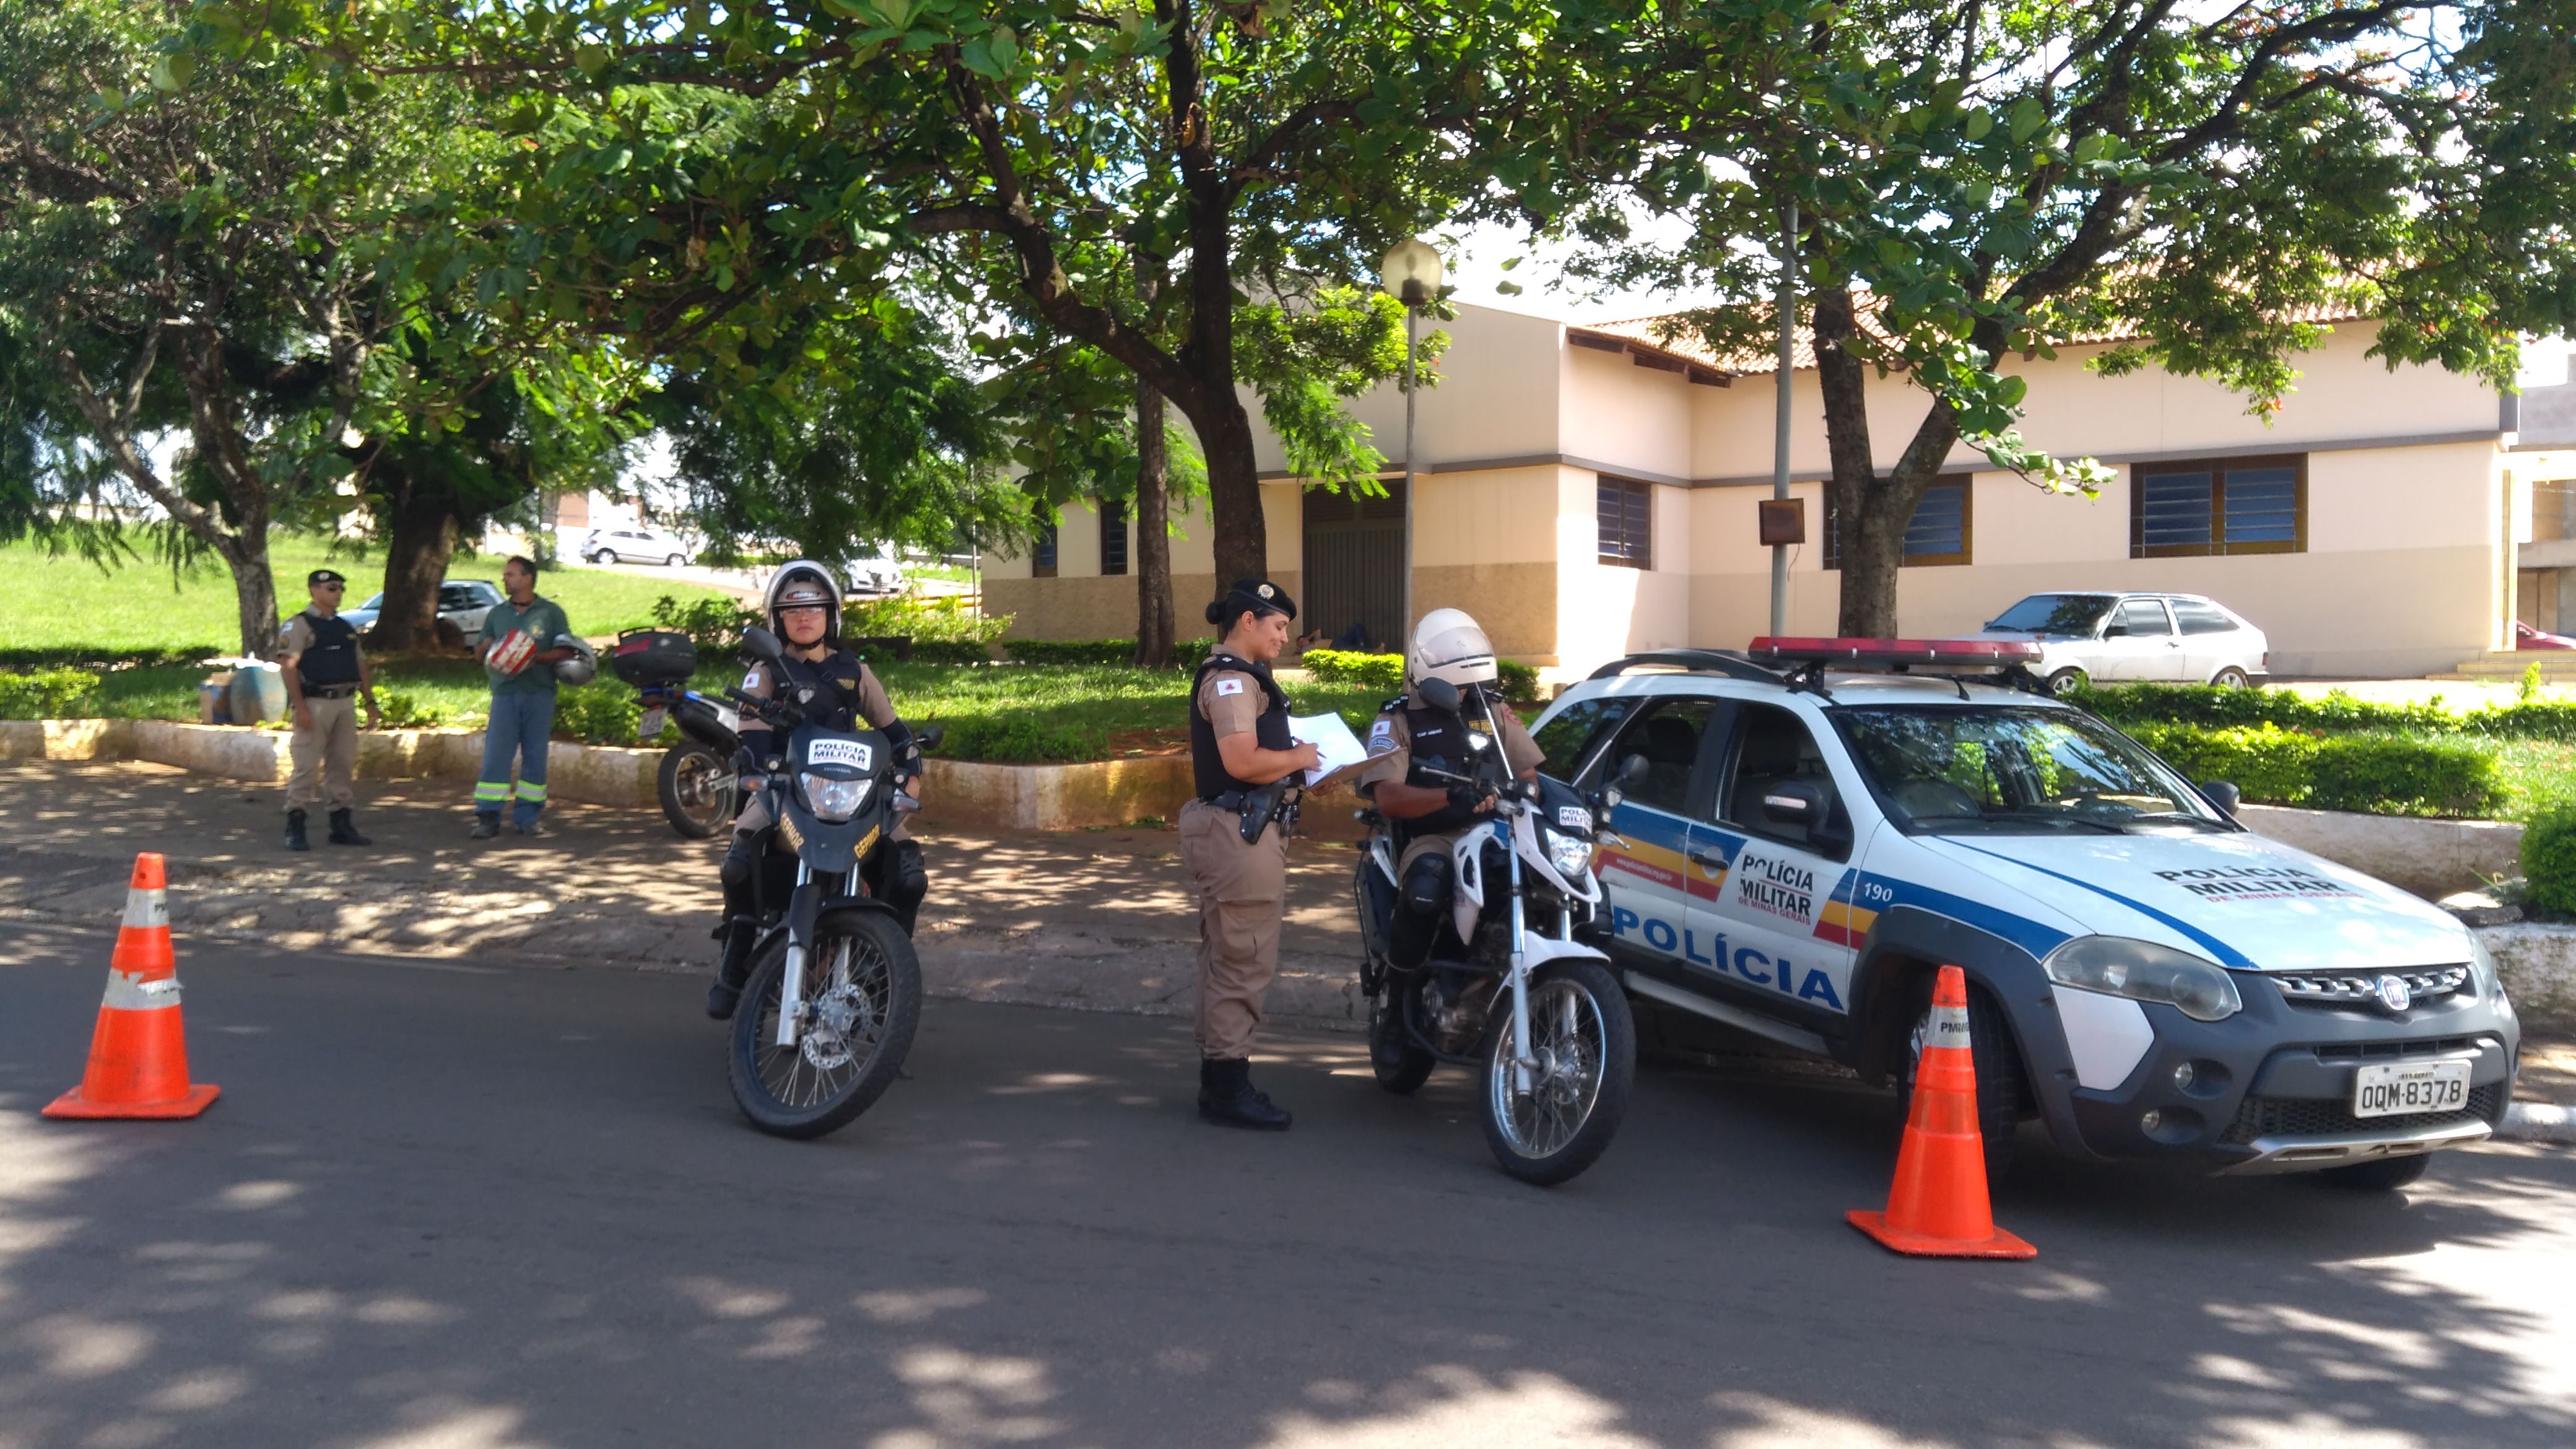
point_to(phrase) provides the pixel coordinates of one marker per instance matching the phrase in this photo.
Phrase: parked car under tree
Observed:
(2135, 638)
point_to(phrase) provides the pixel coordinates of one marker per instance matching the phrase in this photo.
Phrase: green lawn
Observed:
(60, 603)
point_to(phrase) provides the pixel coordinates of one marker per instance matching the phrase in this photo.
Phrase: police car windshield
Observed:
(2073, 614)
(2014, 769)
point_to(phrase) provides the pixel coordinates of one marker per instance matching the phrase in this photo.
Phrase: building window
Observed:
(1113, 536)
(1042, 561)
(1627, 523)
(1943, 530)
(2219, 506)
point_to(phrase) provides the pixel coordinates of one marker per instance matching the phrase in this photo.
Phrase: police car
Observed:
(1805, 831)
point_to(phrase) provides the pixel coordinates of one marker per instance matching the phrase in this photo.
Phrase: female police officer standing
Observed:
(1239, 742)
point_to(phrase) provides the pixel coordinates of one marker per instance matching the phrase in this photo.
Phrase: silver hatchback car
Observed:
(2135, 638)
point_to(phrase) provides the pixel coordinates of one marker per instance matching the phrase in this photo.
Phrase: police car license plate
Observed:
(652, 724)
(2398, 1089)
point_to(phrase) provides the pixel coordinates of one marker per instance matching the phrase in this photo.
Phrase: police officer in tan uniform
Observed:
(326, 677)
(804, 602)
(1413, 752)
(1239, 742)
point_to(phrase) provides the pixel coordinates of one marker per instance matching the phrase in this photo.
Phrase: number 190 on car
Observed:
(2397, 1089)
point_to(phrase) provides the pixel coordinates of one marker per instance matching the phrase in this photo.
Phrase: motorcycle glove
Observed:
(1467, 797)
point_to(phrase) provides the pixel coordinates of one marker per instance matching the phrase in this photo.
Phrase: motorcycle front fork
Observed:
(802, 909)
(1523, 1080)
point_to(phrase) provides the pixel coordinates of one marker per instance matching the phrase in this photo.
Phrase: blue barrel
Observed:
(259, 693)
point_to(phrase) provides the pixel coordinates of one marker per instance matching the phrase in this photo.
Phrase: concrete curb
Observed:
(2431, 858)
(2538, 1122)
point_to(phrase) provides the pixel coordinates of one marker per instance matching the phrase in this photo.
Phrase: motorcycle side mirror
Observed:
(1440, 694)
(2223, 795)
(1632, 770)
(762, 645)
(930, 737)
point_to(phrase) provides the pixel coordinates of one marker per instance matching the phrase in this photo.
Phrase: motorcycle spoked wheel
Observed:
(1585, 1041)
(862, 1003)
(695, 798)
(1402, 1065)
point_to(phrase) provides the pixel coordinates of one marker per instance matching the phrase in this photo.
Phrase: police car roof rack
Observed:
(1697, 661)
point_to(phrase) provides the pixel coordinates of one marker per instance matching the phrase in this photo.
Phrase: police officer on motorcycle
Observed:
(1415, 753)
(804, 606)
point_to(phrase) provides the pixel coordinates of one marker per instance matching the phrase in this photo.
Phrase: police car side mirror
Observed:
(1794, 802)
(2223, 795)
(1440, 694)
(760, 644)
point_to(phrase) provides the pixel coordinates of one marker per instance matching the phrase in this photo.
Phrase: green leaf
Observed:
(591, 60)
(1980, 121)
(173, 71)
(2027, 118)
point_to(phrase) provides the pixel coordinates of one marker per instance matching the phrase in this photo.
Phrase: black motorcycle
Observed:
(1506, 990)
(835, 990)
(698, 784)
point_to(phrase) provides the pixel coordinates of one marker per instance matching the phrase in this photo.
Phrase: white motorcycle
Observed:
(1506, 988)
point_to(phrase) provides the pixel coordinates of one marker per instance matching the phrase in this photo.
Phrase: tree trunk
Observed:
(1872, 512)
(1154, 621)
(1242, 535)
(254, 592)
(420, 539)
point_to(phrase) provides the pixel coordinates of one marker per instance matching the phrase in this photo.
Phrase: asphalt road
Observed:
(499, 1208)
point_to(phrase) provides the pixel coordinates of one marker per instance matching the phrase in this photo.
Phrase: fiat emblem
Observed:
(2394, 993)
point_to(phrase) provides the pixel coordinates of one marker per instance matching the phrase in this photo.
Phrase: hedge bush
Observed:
(54, 693)
(1385, 672)
(1186, 653)
(2335, 712)
(2549, 861)
(1019, 739)
(2380, 774)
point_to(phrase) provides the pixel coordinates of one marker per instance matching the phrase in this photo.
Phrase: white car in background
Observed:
(462, 602)
(878, 571)
(2110, 638)
(634, 545)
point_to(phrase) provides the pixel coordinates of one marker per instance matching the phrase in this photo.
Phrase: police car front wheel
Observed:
(1998, 1065)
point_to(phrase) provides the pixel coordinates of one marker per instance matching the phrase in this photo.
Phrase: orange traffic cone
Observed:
(1938, 1206)
(138, 1057)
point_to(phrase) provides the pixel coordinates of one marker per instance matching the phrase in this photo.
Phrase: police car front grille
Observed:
(2345, 989)
(2319, 1117)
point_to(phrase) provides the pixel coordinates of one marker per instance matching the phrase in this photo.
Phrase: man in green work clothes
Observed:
(524, 637)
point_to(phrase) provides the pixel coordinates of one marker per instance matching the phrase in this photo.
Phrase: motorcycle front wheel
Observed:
(696, 797)
(862, 1001)
(1583, 1042)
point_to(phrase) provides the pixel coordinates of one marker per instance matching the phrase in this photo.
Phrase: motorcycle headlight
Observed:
(832, 800)
(2145, 971)
(1570, 854)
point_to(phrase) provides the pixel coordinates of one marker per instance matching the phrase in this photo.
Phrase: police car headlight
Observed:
(1570, 854)
(2145, 971)
(833, 800)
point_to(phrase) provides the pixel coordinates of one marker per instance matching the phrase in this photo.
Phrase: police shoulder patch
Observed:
(1229, 686)
(1381, 740)
(751, 680)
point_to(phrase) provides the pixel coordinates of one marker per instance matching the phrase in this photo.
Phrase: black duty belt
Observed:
(329, 691)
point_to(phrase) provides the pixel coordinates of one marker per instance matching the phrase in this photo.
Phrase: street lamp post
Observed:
(1411, 273)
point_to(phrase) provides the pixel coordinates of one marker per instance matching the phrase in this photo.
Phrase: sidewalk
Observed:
(1102, 921)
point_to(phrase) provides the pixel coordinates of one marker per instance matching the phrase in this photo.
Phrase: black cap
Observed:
(1259, 595)
(323, 576)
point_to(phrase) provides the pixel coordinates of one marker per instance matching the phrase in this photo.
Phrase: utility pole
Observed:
(1780, 420)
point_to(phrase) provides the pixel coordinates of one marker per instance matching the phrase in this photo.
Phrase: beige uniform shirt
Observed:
(1390, 744)
(294, 637)
(1230, 700)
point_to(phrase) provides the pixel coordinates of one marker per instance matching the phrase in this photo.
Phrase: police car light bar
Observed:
(1889, 653)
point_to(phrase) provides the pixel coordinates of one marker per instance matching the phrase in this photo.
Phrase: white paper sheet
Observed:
(1332, 739)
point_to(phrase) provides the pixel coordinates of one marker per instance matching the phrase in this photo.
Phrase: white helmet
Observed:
(1449, 645)
(803, 582)
(581, 667)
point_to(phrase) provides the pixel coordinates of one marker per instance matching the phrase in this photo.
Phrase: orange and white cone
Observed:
(138, 1056)
(1938, 1206)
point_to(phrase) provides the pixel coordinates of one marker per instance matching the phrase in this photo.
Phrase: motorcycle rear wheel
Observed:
(862, 1003)
(695, 798)
(1585, 1040)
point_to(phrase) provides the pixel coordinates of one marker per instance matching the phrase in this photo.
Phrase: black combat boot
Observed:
(1227, 1096)
(344, 831)
(739, 931)
(295, 831)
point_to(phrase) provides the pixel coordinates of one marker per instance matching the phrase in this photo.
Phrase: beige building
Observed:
(1586, 492)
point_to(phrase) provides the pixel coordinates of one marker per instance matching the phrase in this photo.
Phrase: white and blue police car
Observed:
(1804, 832)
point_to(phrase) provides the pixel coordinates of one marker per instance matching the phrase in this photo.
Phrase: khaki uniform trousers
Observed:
(325, 757)
(1243, 889)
